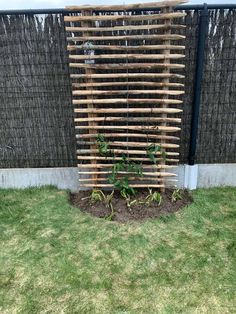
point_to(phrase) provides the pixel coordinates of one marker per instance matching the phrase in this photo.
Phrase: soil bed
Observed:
(138, 211)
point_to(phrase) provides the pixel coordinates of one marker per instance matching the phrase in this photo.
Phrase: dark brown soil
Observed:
(137, 212)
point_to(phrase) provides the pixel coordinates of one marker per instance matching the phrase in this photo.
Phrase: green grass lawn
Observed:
(55, 259)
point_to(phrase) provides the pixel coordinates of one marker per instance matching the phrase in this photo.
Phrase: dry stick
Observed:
(152, 174)
(128, 75)
(121, 47)
(131, 185)
(129, 127)
(129, 119)
(134, 92)
(88, 79)
(124, 17)
(121, 66)
(122, 28)
(130, 83)
(126, 7)
(100, 166)
(124, 151)
(127, 37)
(135, 135)
(104, 101)
(132, 144)
(130, 110)
(132, 179)
(129, 56)
(121, 158)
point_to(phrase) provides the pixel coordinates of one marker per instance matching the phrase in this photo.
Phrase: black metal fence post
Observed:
(203, 29)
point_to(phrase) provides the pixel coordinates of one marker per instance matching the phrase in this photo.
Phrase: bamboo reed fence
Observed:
(123, 70)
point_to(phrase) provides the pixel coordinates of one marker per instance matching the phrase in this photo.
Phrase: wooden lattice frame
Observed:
(141, 41)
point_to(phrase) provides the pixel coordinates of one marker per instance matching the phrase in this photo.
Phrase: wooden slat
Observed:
(128, 110)
(125, 17)
(104, 101)
(127, 37)
(101, 166)
(131, 144)
(130, 135)
(120, 158)
(121, 66)
(126, 7)
(155, 56)
(130, 127)
(122, 47)
(139, 83)
(126, 28)
(125, 151)
(136, 179)
(151, 174)
(129, 119)
(128, 75)
(131, 185)
(133, 92)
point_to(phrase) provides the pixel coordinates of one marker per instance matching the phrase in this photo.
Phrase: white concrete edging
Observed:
(191, 177)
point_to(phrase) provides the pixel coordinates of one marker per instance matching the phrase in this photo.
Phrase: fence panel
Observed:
(217, 125)
(36, 120)
(36, 123)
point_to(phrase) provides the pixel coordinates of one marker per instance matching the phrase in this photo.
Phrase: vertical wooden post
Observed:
(89, 71)
(165, 80)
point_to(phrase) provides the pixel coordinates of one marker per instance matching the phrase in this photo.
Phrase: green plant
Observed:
(103, 146)
(176, 195)
(152, 150)
(153, 197)
(122, 183)
(99, 196)
(108, 203)
(96, 196)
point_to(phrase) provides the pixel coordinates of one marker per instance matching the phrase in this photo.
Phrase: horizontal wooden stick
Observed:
(128, 110)
(127, 56)
(129, 127)
(131, 185)
(126, 7)
(105, 179)
(120, 158)
(122, 66)
(122, 47)
(124, 151)
(128, 75)
(151, 174)
(129, 119)
(133, 92)
(104, 101)
(131, 144)
(130, 135)
(140, 83)
(123, 28)
(126, 17)
(126, 37)
(101, 166)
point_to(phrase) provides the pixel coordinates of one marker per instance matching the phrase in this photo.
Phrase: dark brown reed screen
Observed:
(126, 87)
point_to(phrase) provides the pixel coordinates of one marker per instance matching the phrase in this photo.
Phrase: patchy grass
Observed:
(55, 259)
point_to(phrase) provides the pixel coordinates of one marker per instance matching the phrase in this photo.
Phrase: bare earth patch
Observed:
(138, 211)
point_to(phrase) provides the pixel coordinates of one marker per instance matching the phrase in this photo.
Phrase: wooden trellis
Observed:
(125, 87)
